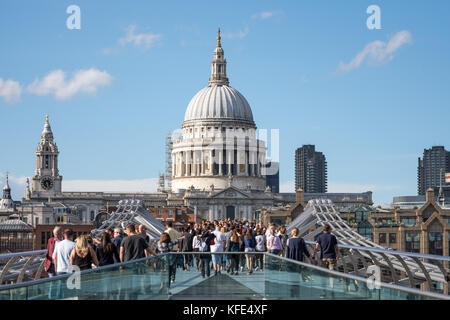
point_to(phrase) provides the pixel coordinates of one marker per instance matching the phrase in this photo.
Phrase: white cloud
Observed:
(377, 52)
(138, 185)
(10, 91)
(83, 81)
(146, 40)
(240, 34)
(264, 15)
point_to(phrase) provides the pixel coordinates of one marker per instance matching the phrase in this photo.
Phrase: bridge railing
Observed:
(401, 268)
(26, 266)
(21, 266)
(148, 278)
(397, 267)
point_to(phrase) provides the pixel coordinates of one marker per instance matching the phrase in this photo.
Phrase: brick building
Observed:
(424, 229)
(180, 216)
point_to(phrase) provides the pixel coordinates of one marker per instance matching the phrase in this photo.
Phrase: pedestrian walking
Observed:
(249, 244)
(205, 248)
(329, 253)
(106, 252)
(83, 255)
(260, 248)
(61, 255)
(274, 245)
(233, 245)
(165, 245)
(49, 265)
(284, 238)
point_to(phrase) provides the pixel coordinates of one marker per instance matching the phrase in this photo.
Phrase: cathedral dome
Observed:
(219, 103)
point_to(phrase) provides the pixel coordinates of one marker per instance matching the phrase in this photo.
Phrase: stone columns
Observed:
(229, 161)
(194, 163)
(220, 162)
(185, 157)
(211, 169)
(202, 166)
(173, 165)
(246, 163)
(210, 214)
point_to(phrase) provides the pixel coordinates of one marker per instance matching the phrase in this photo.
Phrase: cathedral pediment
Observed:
(230, 192)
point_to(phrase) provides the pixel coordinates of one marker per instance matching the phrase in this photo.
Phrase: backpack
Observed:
(203, 246)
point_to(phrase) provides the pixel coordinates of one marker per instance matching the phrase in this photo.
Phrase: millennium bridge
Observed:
(366, 271)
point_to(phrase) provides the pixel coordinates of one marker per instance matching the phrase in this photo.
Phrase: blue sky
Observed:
(129, 73)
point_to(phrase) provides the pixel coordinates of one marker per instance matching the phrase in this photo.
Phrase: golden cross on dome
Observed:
(218, 38)
(46, 118)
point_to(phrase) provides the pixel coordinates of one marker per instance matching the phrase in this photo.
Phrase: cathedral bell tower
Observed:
(47, 181)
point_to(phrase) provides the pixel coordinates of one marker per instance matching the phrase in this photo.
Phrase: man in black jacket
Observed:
(186, 246)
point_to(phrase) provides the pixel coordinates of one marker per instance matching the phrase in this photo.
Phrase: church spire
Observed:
(219, 45)
(219, 65)
(47, 134)
(6, 188)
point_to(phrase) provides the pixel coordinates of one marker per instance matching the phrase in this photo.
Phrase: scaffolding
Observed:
(168, 174)
(165, 179)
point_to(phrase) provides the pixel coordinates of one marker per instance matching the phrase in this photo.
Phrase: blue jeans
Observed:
(53, 289)
(217, 258)
(275, 251)
(205, 266)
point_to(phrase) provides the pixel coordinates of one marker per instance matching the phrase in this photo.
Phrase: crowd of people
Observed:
(216, 243)
(114, 246)
(208, 247)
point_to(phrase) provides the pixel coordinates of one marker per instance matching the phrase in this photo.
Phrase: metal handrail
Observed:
(64, 276)
(22, 254)
(390, 251)
(357, 278)
(314, 267)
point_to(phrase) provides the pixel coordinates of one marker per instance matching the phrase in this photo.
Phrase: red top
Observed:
(48, 257)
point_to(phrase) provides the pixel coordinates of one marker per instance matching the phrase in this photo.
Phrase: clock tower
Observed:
(47, 181)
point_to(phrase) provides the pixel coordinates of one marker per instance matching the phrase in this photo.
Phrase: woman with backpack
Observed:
(205, 246)
(166, 246)
(233, 245)
(250, 244)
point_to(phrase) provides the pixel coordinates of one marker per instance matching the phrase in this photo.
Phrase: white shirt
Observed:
(62, 253)
(260, 243)
(218, 241)
(196, 242)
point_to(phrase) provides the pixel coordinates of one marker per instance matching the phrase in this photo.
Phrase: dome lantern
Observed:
(219, 66)
(218, 102)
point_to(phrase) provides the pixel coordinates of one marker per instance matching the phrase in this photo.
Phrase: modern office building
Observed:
(432, 168)
(273, 176)
(310, 170)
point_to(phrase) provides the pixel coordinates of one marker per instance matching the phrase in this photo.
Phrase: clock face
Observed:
(47, 183)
